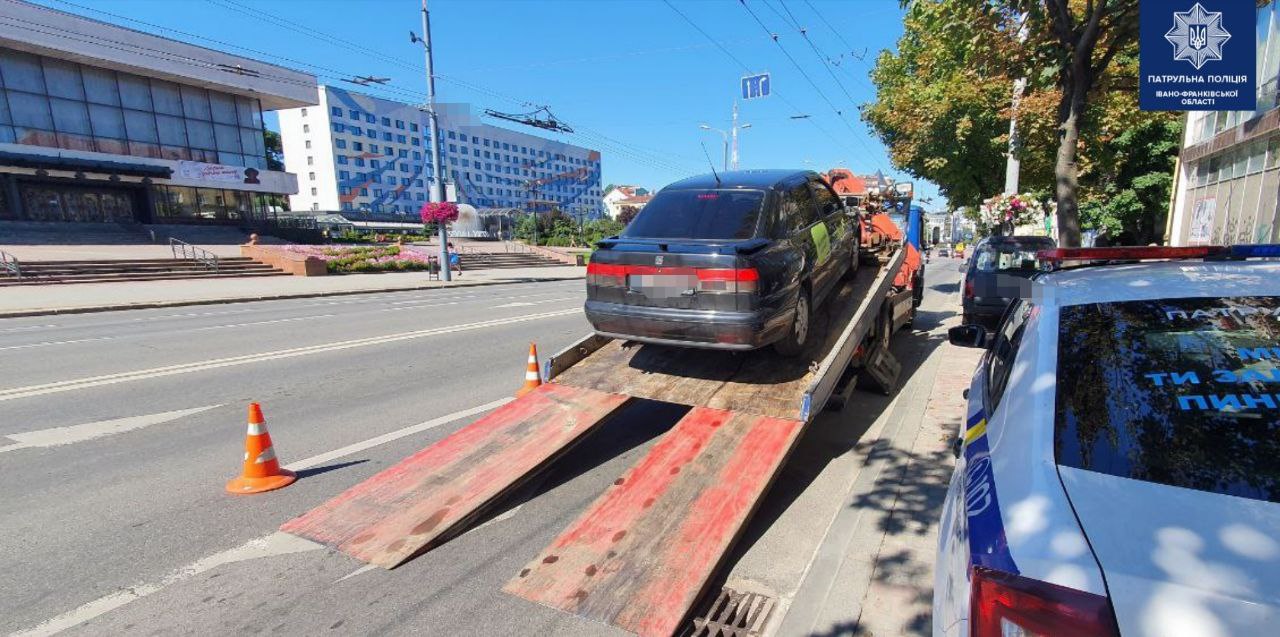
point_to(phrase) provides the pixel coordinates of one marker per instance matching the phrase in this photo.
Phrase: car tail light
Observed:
(606, 274)
(1006, 605)
(729, 281)
(968, 288)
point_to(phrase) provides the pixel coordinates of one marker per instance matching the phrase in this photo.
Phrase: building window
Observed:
(386, 121)
(337, 128)
(342, 174)
(388, 151)
(304, 112)
(400, 124)
(355, 115)
(413, 128)
(400, 139)
(364, 192)
(373, 148)
(368, 117)
(357, 146)
(311, 160)
(342, 159)
(414, 141)
(306, 128)
(340, 143)
(386, 137)
(417, 156)
(307, 143)
(336, 111)
(314, 192)
(359, 161)
(373, 163)
(311, 176)
(372, 134)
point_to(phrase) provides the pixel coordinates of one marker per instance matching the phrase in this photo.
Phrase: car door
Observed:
(970, 497)
(797, 214)
(839, 229)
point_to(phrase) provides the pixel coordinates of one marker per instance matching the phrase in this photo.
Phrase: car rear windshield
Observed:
(1009, 257)
(699, 214)
(1184, 392)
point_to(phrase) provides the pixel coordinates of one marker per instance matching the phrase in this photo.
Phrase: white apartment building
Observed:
(358, 152)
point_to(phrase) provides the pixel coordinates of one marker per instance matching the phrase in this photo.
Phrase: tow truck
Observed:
(641, 555)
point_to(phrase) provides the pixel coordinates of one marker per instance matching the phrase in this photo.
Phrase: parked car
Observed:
(735, 261)
(1118, 472)
(998, 272)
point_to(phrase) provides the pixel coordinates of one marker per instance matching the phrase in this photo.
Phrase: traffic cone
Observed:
(531, 378)
(262, 470)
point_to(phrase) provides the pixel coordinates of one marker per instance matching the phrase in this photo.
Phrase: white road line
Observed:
(59, 436)
(186, 368)
(277, 543)
(528, 303)
(307, 463)
(26, 328)
(267, 546)
(283, 320)
(49, 343)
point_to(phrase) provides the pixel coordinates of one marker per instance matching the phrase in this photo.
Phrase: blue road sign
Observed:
(754, 86)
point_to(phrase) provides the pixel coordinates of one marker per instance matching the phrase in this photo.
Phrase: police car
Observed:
(1118, 472)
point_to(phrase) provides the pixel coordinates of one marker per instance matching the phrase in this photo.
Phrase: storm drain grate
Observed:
(732, 614)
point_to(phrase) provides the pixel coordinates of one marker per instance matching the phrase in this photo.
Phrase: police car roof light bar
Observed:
(1255, 251)
(1122, 253)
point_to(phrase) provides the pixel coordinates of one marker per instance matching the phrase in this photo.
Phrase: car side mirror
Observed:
(968, 336)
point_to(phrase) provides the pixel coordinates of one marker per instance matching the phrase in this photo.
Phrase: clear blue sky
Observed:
(632, 76)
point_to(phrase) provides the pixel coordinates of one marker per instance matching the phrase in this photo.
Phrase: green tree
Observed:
(626, 214)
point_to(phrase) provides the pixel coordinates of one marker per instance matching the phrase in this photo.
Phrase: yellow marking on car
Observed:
(978, 431)
(821, 241)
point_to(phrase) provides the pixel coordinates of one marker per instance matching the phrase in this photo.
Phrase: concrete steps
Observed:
(48, 272)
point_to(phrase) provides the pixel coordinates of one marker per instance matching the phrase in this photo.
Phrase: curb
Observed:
(274, 297)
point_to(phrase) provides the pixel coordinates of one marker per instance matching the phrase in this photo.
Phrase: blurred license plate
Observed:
(662, 286)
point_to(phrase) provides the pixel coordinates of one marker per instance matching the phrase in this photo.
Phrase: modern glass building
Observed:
(1228, 180)
(99, 123)
(359, 152)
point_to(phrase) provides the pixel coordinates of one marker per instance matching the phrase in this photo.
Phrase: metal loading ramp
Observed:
(404, 509)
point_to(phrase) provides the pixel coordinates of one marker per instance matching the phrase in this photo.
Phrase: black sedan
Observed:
(999, 273)
(735, 261)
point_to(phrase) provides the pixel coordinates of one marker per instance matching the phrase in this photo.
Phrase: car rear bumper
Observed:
(984, 314)
(684, 328)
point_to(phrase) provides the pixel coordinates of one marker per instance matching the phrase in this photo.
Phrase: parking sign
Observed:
(754, 86)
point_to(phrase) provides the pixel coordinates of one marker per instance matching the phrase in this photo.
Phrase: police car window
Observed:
(1184, 392)
(1004, 350)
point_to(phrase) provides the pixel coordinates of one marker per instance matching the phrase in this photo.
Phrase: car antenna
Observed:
(713, 164)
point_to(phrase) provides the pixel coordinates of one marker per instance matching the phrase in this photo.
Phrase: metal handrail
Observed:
(197, 254)
(10, 264)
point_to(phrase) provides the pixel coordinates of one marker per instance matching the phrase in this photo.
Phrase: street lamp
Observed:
(725, 136)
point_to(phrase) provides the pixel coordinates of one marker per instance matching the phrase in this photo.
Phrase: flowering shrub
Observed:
(436, 212)
(1011, 211)
(346, 259)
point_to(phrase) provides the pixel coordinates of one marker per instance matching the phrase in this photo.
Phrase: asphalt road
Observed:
(114, 523)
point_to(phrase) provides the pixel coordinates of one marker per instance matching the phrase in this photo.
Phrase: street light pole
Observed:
(735, 129)
(437, 185)
(723, 136)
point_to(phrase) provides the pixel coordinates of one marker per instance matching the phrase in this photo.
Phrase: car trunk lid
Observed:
(682, 274)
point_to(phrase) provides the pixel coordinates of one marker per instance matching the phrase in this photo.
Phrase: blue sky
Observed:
(633, 77)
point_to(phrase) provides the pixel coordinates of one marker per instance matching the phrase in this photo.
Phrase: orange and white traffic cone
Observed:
(262, 470)
(531, 377)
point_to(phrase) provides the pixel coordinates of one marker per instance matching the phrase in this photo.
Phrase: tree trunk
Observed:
(1066, 171)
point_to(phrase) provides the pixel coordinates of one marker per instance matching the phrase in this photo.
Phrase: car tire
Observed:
(797, 334)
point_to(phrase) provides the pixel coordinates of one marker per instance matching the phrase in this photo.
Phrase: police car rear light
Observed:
(1131, 253)
(1007, 605)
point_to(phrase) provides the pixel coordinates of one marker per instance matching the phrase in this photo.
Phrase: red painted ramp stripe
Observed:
(639, 557)
(399, 512)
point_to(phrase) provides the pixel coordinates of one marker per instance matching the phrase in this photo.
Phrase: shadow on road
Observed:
(315, 471)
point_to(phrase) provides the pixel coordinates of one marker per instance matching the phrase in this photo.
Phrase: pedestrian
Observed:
(454, 261)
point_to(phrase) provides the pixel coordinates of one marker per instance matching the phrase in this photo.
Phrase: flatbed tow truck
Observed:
(642, 554)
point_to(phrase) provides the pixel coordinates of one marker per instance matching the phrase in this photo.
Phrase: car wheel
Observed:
(793, 342)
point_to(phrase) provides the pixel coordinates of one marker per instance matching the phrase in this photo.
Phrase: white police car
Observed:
(1119, 469)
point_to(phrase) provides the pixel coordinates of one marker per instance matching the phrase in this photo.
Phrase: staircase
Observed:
(504, 260)
(47, 272)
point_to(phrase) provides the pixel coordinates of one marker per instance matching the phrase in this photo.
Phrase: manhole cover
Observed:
(731, 614)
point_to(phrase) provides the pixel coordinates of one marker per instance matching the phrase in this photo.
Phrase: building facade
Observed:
(1228, 177)
(99, 123)
(615, 197)
(358, 152)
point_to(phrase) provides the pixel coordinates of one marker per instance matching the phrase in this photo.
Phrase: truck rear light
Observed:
(606, 274)
(729, 281)
(1007, 605)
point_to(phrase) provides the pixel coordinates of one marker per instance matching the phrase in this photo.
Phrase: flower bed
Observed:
(356, 259)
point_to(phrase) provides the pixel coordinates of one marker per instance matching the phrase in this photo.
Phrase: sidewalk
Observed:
(93, 297)
(873, 573)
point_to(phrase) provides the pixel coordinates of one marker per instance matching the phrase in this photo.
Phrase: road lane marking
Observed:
(307, 463)
(26, 328)
(283, 320)
(49, 343)
(528, 303)
(272, 545)
(186, 368)
(276, 543)
(59, 436)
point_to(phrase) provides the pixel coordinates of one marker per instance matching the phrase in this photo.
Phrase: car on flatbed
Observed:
(1118, 472)
(737, 261)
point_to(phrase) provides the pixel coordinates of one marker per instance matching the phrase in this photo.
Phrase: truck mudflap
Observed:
(428, 496)
(641, 555)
